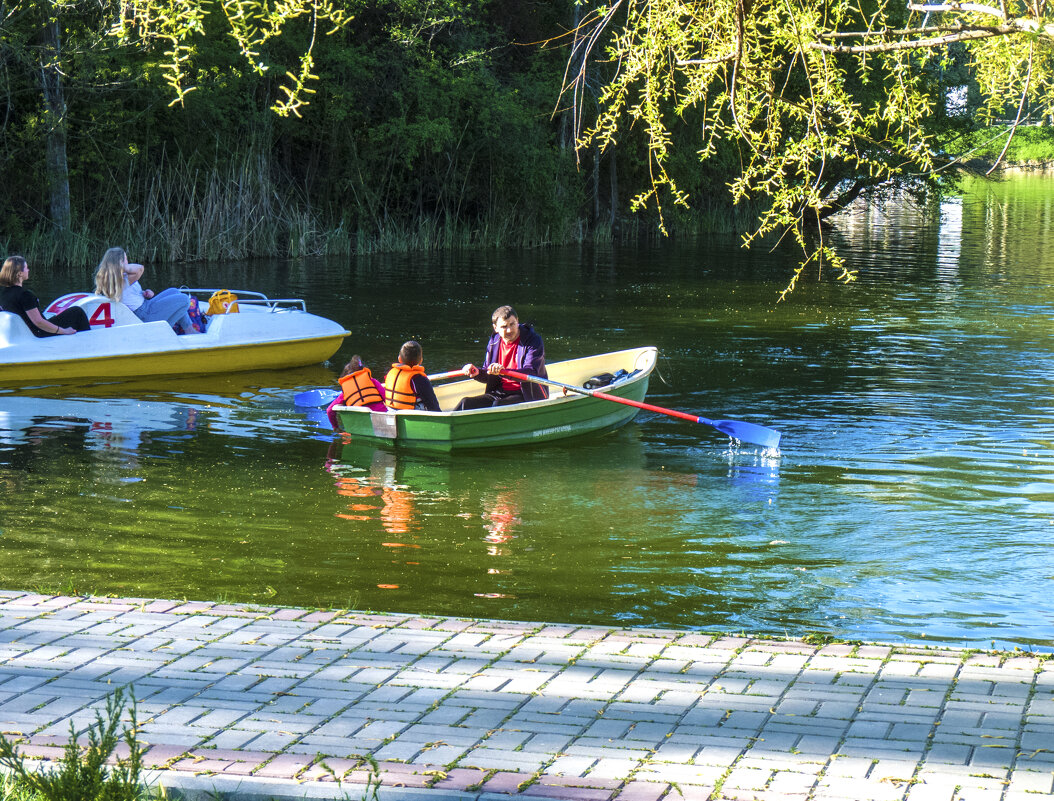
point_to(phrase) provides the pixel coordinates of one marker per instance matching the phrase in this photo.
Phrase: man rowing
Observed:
(513, 346)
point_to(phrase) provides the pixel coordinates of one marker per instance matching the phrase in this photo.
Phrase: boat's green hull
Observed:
(558, 417)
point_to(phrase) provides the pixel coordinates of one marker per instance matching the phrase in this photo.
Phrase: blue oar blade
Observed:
(319, 418)
(315, 397)
(746, 432)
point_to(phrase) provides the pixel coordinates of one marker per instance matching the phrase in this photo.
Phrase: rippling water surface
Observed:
(913, 498)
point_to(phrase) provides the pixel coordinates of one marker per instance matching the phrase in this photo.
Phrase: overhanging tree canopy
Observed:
(825, 101)
(175, 24)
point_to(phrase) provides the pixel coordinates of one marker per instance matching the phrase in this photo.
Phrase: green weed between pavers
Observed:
(83, 773)
(373, 777)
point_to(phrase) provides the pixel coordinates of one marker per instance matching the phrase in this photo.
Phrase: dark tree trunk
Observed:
(55, 121)
(596, 185)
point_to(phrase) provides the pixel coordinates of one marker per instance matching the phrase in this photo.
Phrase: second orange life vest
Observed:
(398, 391)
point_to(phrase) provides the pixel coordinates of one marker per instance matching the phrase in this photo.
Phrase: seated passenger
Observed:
(16, 298)
(406, 386)
(119, 281)
(512, 347)
(358, 388)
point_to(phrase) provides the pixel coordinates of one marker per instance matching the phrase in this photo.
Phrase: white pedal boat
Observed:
(264, 333)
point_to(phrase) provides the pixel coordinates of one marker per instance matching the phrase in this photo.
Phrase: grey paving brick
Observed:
(644, 713)
(654, 706)
(447, 734)
(1032, 781)
(714, 755)
(571, 765)
(607, 729)
(508, 739)
(775, 741)
(397, 751)
(909, 731)
(603, 749)
(706, 775)
(948, 753)
(679, 751)
(232, 738)
(817, 745)
(484, 719)
(272, 741)
(497, 759)
(814, 727)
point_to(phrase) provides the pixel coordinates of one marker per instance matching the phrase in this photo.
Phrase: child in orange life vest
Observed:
(358, 388)
(406, 386)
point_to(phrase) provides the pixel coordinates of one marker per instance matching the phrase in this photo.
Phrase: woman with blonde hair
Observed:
(118, 280)
(19, 300)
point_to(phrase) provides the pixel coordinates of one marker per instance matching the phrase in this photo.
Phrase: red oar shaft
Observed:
(447, 374)
(691, 418)
(603, 395)
(737, 429)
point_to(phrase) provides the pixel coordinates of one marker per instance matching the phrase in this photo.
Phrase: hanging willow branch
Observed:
(175, 25)
(822, 102)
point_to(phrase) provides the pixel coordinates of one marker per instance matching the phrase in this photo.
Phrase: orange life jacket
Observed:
(398, 391)
(359, 389)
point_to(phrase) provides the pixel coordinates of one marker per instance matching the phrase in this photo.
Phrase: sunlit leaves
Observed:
(177, 25)
(822, 100)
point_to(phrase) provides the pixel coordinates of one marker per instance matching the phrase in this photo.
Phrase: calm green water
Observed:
(913, 498)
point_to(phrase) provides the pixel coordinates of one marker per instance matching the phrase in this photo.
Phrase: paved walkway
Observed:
(279, 703)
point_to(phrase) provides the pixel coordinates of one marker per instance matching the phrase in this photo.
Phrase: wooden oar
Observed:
(323, 397)
(737, 429)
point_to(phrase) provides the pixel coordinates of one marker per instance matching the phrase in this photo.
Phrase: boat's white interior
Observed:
(13, 329)
(572, 371)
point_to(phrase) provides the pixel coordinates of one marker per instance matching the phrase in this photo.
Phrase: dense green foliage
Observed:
(429, 124)
(413, 124)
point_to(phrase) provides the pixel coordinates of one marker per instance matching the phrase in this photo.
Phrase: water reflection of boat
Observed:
(558, 417)
(383, 487)
(266, 333)
(23, 418)
(109, 416)
(400, 488)
(476, 524)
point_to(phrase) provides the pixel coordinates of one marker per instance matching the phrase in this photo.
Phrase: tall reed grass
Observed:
(188, 209)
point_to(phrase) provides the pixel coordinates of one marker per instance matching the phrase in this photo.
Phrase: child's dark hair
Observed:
(410, 353)
(355, 363)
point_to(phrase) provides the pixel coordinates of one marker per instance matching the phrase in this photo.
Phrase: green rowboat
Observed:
(558, 417)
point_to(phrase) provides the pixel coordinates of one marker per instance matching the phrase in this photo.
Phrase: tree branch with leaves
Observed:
(175, 24)
(816, 122)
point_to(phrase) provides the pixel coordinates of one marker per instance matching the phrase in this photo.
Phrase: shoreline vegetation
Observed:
(1031, 149)
(243, 207)
(428, 128)
(240, 212)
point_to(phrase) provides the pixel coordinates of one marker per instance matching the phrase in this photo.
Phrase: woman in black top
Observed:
(14, 298)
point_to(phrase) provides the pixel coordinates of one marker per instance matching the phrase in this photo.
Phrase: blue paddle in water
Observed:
(737, 429)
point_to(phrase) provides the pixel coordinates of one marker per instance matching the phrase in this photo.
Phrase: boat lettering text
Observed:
(101, 316)
(63, 303)
(545, 432)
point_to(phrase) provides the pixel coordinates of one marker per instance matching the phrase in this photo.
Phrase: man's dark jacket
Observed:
(530, 358)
